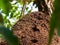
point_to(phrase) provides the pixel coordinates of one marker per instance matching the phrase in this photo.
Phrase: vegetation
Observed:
(10, 11)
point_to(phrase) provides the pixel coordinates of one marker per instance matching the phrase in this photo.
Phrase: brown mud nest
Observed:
(33, 29)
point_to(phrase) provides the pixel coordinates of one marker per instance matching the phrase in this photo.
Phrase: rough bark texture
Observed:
(33, 29)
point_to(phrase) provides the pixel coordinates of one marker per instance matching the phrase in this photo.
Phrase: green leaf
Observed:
(20, 1)
(27, 8)
(58, 23)
(56, 5)
(1, 19)
(57, 13)
(55, 20)
(5, 6)
(58, 31)
(52, 26)
(10, 0)
(8, 34)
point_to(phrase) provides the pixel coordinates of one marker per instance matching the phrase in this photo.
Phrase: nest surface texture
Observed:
(33, 29)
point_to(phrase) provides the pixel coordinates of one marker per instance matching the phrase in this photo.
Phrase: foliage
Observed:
(5, 5)
(16, 11)
(8, 11)
(8, 34)
(55, 20)
(1, 19)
